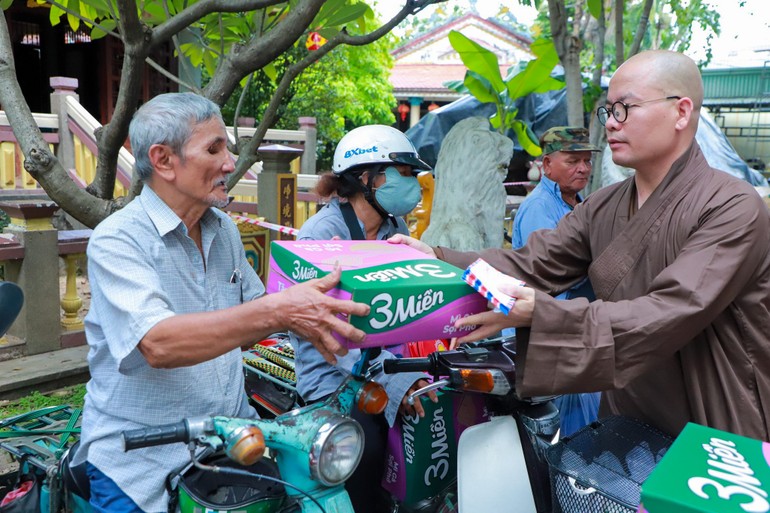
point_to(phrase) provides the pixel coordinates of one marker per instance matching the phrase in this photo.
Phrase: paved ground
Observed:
(43, 372)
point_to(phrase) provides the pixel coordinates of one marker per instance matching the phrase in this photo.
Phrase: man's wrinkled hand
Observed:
(416, 408)
(412, 243)
(313, 315)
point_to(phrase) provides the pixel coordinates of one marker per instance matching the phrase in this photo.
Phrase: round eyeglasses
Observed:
(619, 110)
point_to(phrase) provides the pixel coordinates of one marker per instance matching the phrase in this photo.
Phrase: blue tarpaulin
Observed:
(546, 110)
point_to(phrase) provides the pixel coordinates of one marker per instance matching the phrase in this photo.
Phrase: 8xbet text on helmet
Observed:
(360, 151)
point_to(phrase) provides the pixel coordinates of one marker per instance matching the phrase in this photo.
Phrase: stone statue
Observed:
(469, 199)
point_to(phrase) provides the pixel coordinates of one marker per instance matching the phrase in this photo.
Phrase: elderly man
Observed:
(566, 165)
(173, 301)
(679, 258)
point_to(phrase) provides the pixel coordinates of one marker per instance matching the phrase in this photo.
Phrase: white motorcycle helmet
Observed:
(375, 144)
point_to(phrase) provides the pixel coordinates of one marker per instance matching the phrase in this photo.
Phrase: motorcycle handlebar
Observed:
(396, 365)
(156, 435)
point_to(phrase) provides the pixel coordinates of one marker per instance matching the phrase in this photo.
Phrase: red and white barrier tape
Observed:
(510, 184)
(265, 224)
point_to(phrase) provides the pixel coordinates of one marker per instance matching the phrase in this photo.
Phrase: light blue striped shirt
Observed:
(143, 268)
(542, 209)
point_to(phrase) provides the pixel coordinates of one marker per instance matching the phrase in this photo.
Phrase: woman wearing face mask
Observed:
(372, 185)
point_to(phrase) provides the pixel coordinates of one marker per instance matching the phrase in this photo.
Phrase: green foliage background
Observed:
(348, 88)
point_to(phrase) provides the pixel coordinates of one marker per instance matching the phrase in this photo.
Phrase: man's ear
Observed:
(162, 159)
(546, 165)
(686, 111)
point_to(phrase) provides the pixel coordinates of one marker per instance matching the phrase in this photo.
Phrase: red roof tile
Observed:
(427, 77)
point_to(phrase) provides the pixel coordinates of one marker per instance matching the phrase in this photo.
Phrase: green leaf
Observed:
(5, 4)
(210, 62)
(495, 121)
(98, 33)
(595, 8)
(153, 14)
(457, 86)
(478, 59)
(55, 15)
(88, 13)
(346, 15)
(329, 32)
(328, 9)
(510, 116)
(101, 7)
(193, 52)
(74, 22)
(480, 88)
(545, 51)
(536, 77)
(271, 72)
(527, 138)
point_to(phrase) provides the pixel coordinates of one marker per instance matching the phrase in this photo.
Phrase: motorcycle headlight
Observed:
(336, 450)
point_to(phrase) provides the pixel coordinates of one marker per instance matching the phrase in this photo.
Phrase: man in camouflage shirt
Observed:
(566, 165)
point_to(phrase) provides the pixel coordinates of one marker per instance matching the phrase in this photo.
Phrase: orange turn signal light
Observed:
(249, 446)
(477, 380)
(487, 381)
(372, 398)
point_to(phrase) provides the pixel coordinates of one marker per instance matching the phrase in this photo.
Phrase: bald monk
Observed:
(679, 258)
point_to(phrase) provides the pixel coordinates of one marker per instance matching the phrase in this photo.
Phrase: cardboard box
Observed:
(710, 471)
(412, 297)
(421, 452)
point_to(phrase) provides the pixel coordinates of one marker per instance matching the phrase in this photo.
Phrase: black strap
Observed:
(352, 221)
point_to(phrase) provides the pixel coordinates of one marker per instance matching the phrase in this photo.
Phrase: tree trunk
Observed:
(619, 44)
(41, 164)
(598, 134)
(641, 30)
(568, 48)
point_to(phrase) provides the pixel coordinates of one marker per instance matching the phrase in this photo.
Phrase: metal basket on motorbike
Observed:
(602, 466)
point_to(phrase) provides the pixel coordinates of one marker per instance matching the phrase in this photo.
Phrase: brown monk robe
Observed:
(680, 330)
(679, 258)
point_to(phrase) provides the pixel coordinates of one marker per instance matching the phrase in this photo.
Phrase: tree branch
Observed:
(198, 10)
(260, 52)
(641, 30)
(137, 43)
(619, 53)
(248, 156)
(39, 162)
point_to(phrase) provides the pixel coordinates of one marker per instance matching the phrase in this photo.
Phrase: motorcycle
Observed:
(298, 461)
(500, 462)
(316, 448)
(271, 386)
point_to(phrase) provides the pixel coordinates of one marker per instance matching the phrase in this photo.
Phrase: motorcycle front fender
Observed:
(331, 499)
(492, 472)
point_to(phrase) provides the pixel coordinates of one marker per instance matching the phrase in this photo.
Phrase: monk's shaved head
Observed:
(672, 72)
(661, 94)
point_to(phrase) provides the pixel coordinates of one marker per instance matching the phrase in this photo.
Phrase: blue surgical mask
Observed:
(399, 194)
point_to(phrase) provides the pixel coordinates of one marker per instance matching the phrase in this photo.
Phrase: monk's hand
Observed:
(490, 323)
(416, 408)
(412, 243)
(312, 315)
